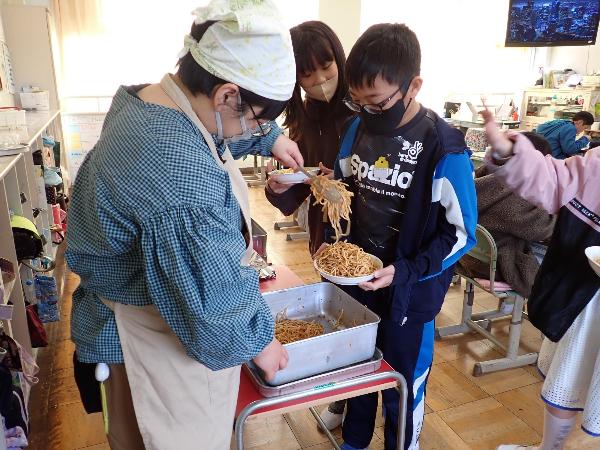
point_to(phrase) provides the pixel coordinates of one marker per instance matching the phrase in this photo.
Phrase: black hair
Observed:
(540, 143)
(586, 117)
(315, 44)
(391, 50)
(199, 81)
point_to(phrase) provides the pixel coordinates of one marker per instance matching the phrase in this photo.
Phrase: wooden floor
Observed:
(463, 412)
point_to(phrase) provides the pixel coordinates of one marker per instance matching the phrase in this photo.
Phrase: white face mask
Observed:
(323, 92)
(246, 134)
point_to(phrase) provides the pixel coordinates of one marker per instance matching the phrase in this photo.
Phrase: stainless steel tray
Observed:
(315, 382)
(349, 343)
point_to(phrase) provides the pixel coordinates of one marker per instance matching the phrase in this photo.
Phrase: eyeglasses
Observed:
(263, 129)
(376, 108)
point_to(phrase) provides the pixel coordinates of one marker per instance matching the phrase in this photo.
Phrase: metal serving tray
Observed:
(315, 382)
(351, 342)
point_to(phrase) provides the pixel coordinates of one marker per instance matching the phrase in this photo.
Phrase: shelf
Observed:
(37, 122)
(53, 249)
(7, 163)
(8, 288)
(550, 104)
(578, 89)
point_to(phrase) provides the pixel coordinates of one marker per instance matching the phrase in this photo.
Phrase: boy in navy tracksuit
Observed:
(414, 206)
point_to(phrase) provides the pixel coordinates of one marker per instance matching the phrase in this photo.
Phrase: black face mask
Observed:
(388, 120)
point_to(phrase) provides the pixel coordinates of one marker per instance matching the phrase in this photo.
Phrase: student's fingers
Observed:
(269, 374)
(383, 278)
(487, 116)
(325, 170)
(382, 282)
(376, 284)
(497, 139)
(283, 362)
(366, 286)
(286, 355)
(286, 152)
(276, 187)
(389, 270)
(320, 250)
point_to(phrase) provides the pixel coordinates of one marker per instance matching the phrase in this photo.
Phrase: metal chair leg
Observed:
(481, 323)
(299, 236)
(512, 359)
(280, 225)
(514, 330)
(323, 427)
(467, 312)
(496, 365)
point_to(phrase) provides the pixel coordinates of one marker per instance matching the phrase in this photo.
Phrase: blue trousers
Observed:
(409, 350)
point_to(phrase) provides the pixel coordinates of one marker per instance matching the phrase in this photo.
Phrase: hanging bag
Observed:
(17, 359)
(37, 332)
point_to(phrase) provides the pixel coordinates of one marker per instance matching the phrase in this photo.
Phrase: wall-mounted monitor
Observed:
(540, 23)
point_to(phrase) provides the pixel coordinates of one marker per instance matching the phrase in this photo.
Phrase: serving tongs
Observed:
(330, 193)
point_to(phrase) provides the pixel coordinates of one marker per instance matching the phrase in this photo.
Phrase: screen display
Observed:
(533, 23)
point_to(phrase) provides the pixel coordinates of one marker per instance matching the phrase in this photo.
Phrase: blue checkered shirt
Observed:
(154, 221)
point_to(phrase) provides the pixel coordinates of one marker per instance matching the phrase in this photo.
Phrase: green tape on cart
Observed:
(323, 386)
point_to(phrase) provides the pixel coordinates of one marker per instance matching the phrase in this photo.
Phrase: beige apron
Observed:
(179, 403)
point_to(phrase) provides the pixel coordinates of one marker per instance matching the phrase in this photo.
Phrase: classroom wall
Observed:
(462, 46)
(345, 19)
(142, 50)
(45, 3)
(6, 99)
(584, 60)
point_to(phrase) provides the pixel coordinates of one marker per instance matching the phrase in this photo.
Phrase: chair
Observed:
(486, 251)
(299, 220)
(257, 174)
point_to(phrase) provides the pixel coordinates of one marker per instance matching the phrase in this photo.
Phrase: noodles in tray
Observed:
(335, 211)
(288, 331)
(345, 260)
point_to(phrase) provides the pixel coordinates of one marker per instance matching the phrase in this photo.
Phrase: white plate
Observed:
(293, 178)
(350, 281)
(593, 255)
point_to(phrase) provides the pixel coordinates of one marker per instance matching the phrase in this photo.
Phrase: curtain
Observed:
(107, 43)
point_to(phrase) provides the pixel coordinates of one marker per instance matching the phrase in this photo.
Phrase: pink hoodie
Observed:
(565, 282)
(552, 183)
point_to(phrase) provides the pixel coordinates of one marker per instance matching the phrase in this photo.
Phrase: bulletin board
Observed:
(81, 132)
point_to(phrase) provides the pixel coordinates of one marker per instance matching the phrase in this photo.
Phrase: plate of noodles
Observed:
(288, 176)
(346, 264)
(593, 255)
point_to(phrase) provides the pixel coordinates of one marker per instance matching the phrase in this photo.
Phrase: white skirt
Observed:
(572, 367)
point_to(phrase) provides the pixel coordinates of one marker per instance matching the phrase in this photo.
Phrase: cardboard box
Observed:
(38, 100)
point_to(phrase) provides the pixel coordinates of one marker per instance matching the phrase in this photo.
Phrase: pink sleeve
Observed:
(547, 182)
